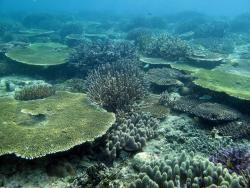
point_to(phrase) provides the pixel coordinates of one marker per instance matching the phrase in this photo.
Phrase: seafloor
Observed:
(97, 100)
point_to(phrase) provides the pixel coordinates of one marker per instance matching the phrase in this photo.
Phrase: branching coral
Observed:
(32, 92)
(141, 36)
(130, 133)
(116, 86)
(168, 47)
(100, 52)
(236, 158)
(185, 171)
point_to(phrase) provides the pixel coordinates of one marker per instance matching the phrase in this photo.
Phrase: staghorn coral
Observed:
(185, 171)
(235, 158)
(130, 133)
(116, 86)
(32, 92)
(91, 54)
(168, 47)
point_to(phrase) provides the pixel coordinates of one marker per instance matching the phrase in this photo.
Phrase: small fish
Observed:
(205, 97)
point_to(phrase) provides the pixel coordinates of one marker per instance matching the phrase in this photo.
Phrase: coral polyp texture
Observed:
(116, 86)
(168, 47)
(32, 92)
(40, 54)
(130, 133)
(32, 129)
(186, 171)
(94, 53)
(208, 111)
(235, 158)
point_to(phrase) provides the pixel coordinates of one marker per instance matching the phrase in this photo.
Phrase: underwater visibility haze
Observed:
(124, 94)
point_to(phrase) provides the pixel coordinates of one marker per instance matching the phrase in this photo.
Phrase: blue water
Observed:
(212, 7)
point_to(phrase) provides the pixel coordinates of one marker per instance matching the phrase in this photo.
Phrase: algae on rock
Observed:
(32, 129)
(42, 54)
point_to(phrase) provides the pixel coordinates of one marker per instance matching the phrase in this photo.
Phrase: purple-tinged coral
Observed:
(236, 158)
(116, 86)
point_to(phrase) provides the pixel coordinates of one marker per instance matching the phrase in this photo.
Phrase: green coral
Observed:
(32, 92)
(186, 171)
(31, 129)
(43, 54)
(231, 84)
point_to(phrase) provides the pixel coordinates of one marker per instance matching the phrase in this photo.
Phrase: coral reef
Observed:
(146, 22)
(211, 29)
(32, 92)
(235, 130)
(40, 54)
(217, 45)
(215, 112)
(141, 37)
(185, 171)
(116, 86)
(130, 133)
(71, 28)
(98, 52)
(42, 21)
(186, 134)
(151, 105)
(168, 47)
(208, 111)
(232, 84)
(235, 159)
(205, 59)
(166, 77)
(31, 129)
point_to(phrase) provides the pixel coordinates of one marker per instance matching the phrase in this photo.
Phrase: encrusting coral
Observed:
(32, 92)
(186, 171)
(35, 128)
(116, 86)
